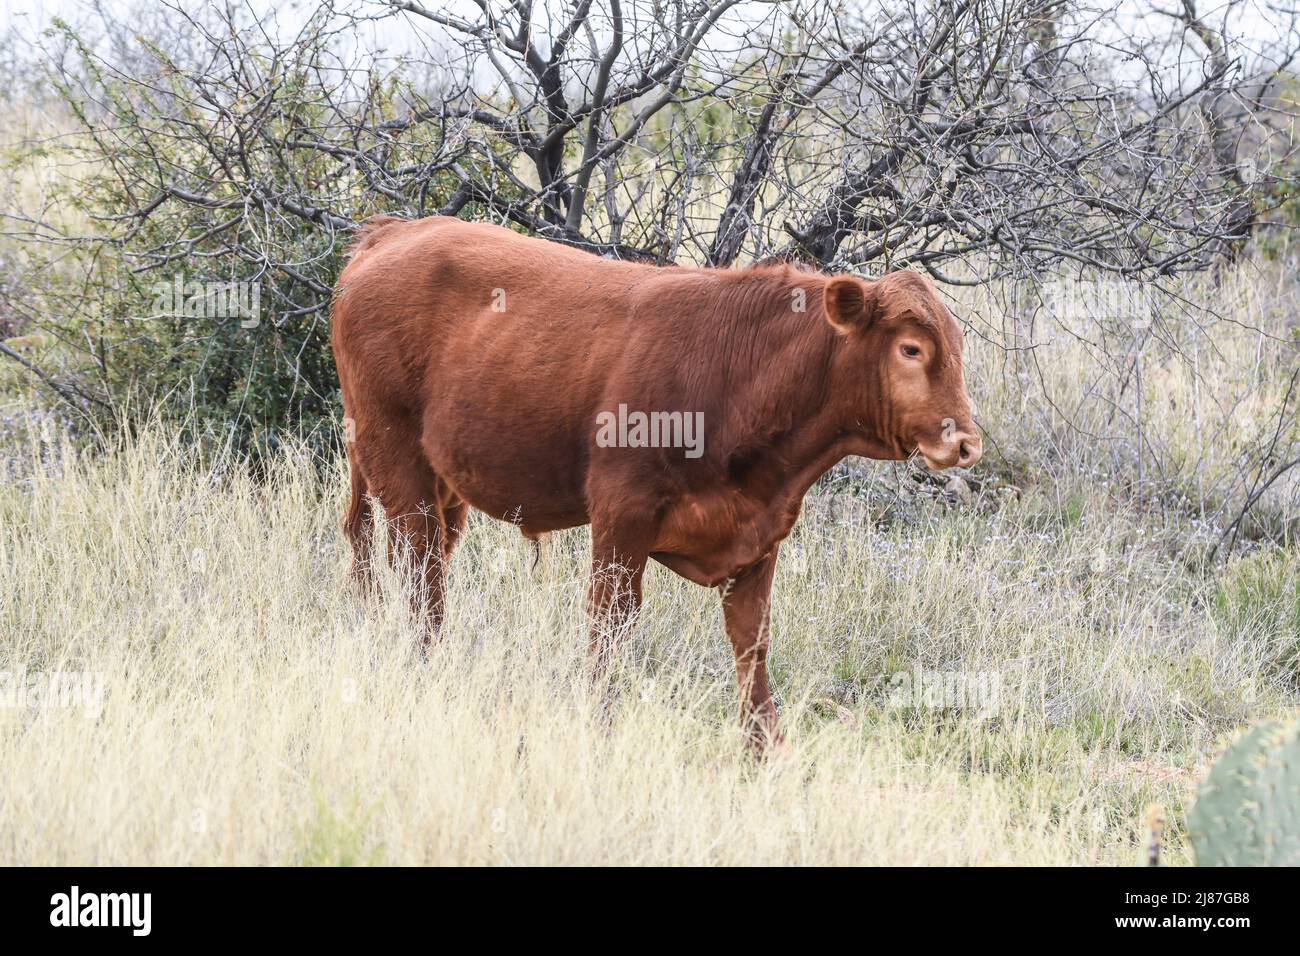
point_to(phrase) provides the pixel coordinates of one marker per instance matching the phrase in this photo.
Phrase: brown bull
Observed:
(682, 413)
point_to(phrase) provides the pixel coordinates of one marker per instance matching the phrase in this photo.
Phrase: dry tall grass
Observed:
(256, 710)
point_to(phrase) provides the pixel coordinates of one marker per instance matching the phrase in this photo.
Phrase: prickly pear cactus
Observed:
(1247, 812)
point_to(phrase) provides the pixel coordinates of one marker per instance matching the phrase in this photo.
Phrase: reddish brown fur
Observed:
(456, 405)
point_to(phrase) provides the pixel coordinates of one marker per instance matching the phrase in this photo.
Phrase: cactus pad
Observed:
(1247, 811)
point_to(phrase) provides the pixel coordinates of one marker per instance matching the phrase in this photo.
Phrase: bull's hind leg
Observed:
(451, 515)
(455, 514)
(418, 507)
(358, 525)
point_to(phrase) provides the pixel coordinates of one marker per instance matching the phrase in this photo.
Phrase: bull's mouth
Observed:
(932, 463)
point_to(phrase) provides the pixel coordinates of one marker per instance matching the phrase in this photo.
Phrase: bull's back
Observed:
(501, 345)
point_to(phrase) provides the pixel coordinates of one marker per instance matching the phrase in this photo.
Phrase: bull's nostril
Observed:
(969, 451)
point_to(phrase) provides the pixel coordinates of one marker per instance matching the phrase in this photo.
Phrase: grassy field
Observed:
(233, 700)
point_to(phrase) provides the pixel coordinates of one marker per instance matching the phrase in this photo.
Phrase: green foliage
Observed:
(338, 838)
(1280, 202)
(1257, 597)
(244, 182)
(1247, 812)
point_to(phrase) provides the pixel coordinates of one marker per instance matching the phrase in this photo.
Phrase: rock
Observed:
(957, 487)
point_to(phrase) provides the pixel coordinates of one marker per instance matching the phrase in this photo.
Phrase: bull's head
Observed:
(901, 368)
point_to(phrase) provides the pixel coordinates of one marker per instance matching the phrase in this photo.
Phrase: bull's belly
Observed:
(534, 501)
(706, 536)
(532, 518)
(523, 476)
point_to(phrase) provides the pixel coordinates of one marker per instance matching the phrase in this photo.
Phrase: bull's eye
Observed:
(911, 351)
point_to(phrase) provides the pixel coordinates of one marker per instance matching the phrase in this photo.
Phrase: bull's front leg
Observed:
(618, 561)
(746, 607)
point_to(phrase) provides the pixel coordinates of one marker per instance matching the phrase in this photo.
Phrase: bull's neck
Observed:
(787, 424)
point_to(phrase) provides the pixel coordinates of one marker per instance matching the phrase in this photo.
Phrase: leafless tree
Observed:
(898, 132)
(974, 139)
(907, 132)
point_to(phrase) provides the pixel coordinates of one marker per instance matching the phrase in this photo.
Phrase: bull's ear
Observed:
(850, 303)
